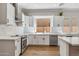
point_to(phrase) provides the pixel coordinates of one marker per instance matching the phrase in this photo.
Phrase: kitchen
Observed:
(53, 30)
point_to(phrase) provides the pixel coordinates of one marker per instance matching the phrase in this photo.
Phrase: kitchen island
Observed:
(69, 45)
(10, 46)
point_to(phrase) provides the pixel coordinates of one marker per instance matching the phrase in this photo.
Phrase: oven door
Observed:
(23, 44)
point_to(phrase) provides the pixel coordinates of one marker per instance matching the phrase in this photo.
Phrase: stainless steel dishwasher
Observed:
(53, 40)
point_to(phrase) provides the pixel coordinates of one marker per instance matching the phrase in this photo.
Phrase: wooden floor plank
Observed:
(42, 51)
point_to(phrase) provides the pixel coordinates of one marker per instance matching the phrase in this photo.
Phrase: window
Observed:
(43, 25)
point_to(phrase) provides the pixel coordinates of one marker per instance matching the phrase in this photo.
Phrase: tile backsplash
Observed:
(8, 30)
(3, 30)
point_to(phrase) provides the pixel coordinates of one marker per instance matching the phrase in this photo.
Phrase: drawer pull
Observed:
(43, 38)
(68, 36)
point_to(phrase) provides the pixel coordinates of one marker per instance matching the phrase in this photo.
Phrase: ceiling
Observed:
(47, 8)
(48, 5)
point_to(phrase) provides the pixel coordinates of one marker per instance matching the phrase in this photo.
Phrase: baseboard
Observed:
(42, 45)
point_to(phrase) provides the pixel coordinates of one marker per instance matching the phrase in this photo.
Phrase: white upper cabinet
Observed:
(57, 23)
(3, 13)
(7, 14)
(27, 21)
(10, 11)
(31, 21)
(67, 25)
(74, 25)
(70, 25)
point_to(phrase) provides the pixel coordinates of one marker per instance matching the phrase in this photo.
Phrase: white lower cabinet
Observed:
(30, 39)
(75, 40)
(35, 40)
(64, 48)
(46, 41)
(10, 47)
(38, 40)
(41, 40)
(17, 47)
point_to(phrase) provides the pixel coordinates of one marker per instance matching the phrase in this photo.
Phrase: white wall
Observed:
(43, 13)
(71, 13)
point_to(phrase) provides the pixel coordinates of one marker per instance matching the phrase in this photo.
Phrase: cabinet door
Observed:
(40, 40)
(3, 13)
(10, 14)
(57, 22)
(26, 21)
(17, 47)
(75, 40)
(43, 40)
(67, 25)
(35, 40)
(46, 41)
(31, 21)
(74, 27)
(8, 11)
(64, 48)
(30, 39)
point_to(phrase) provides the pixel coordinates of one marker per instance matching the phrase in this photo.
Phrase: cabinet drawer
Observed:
(75, 40)
(18, 40)
(47, 37)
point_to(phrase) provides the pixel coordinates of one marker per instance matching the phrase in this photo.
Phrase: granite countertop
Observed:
(42, 33)
(74, 41)
(59, 34)
(69, 35)
(8, 38)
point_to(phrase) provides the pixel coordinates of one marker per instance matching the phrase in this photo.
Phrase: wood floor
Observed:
(41, 51)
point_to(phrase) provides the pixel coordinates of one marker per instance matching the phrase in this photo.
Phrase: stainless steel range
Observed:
(23, 43)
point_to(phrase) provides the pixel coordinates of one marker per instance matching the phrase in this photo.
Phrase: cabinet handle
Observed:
(15, 47)
(68, 36)
(17, 40)
(43, 38)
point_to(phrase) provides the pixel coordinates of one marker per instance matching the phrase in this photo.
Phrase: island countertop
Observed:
(70, 40)
(9, 38)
